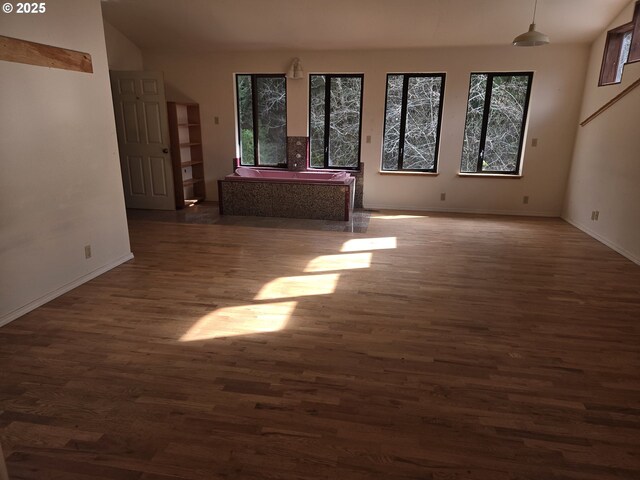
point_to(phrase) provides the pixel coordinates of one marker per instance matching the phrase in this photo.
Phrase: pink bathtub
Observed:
(260, 192)
(256, 174)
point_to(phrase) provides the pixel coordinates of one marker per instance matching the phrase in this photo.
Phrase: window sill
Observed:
(420, 174)
(265, 167)
(492, 175)
(334, 170)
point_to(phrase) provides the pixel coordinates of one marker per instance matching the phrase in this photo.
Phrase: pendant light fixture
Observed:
(532, 38)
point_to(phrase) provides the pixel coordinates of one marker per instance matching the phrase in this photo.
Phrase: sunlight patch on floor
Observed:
(344, 261)
(241, 320)
(287, 287)
(362, 244)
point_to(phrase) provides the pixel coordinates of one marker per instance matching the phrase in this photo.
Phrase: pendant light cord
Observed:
(535, 7)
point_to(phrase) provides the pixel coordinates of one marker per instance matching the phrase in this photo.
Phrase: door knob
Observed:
(165, 150)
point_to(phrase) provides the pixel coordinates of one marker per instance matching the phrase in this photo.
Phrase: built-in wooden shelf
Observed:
(186, 153)
(191, 163)
(192, 181)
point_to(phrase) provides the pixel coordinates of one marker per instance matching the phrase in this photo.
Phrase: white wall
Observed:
(122, 53)
(605, 172)
(60, 183)
(557, 88)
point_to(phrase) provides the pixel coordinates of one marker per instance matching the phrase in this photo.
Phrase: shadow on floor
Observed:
(207, 214)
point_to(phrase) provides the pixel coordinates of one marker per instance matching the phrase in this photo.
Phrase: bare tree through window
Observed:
(245, 119)
(317, 120)
(335, 112)
(496, 116)
(412, 121)
(625, 48)
(473, 128)
(262, 115)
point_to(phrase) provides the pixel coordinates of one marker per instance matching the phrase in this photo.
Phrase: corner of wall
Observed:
(122, 53)
(604, 170)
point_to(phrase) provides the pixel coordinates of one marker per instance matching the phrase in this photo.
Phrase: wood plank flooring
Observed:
(433, 346)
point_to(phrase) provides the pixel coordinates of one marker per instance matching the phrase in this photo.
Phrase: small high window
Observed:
(413, 112)
(622, 47)
(262, 119)
(496, 119)
(335, 120)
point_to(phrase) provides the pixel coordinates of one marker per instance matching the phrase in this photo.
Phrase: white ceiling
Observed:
(210, 25)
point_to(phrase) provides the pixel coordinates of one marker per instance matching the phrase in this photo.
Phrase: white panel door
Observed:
(143, 139)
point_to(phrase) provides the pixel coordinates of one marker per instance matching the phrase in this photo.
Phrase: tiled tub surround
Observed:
(297, 153)
(289, 194)
(359, 195)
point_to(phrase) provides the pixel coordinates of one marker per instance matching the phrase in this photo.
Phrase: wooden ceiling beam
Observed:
(31, 53)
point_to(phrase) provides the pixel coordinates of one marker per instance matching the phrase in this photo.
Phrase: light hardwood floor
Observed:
(430, 347)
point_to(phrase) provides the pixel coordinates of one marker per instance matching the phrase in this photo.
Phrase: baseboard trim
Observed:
(613, 246)
(464, 210)
(38, 302)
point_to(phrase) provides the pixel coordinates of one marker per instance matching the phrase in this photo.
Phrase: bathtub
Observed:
(290, 194)
(257, 174)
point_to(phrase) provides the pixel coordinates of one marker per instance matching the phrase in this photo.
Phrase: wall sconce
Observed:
(296, 71)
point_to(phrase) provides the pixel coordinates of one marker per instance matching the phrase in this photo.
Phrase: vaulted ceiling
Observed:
(210, 25)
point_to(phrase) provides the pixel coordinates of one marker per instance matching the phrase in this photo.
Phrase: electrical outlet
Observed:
(597, 215)
(216, 120)
(534, 142)
(87, 251)
(525, 199)
(368, 138)
(593, 215)
(443, 197)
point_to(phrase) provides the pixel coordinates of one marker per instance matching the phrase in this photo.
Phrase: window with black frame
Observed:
(262, 119)
(413, 114)
(335, 120)
(496, 118)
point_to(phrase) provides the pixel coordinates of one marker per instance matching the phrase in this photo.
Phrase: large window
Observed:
(413, 111)
(262, 119)
(622, 47)
(496, 117)
(335, 115)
